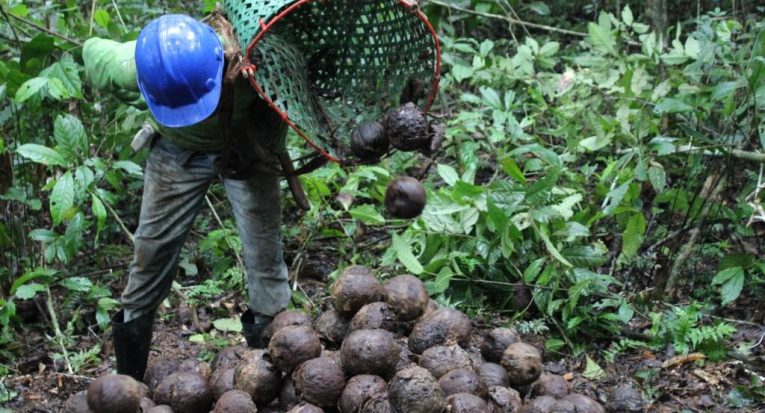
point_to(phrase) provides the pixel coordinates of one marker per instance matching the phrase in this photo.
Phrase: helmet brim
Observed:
(187, 115)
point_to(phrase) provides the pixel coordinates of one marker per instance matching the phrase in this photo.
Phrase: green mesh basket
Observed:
(327, 65)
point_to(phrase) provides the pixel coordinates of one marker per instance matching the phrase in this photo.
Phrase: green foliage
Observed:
(566, 165)
(682, 328)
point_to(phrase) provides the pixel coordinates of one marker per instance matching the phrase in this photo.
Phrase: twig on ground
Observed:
(57, 329)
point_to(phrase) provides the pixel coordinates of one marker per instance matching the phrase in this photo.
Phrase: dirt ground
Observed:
(674, 383)
(635, 381)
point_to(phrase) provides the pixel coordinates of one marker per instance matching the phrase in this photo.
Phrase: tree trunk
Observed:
(657, 15)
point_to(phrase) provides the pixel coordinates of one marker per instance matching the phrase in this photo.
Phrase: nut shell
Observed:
(377, 315)
(369, 352)
(114, 393)
(185, 392)
(405, 198)
(439, 360)
(235, 401)
(438, 328)
(415, 390)
(523, 363)
(353, 290)
(496, 341)
(319, 381)
(292, 345)
(258, 377)
(407, 296)
(407, 128)
(359, 390)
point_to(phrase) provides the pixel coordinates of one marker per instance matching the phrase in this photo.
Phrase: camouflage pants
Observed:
(175, 183)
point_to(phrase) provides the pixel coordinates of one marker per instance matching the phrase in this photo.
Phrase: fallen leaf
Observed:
(707, 377)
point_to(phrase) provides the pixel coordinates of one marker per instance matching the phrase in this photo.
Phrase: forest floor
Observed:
(648, 381)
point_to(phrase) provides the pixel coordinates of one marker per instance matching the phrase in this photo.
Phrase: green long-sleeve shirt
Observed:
(110, 66)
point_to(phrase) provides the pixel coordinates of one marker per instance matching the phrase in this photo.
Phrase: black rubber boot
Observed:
(132, 341)
(253, 325)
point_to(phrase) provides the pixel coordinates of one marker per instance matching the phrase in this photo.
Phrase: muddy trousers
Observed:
(175, 183)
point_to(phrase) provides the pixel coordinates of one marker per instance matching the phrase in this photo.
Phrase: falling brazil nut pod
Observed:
(329, 68)
(369, 141)
(405, 198)
(407, 129)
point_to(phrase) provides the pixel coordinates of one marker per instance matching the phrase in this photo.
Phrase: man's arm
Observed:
(110, 66)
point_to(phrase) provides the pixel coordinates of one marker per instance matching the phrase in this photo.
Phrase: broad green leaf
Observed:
(20, 10)
(549, 49)
(442, 280)
(197, 338)
(228, 325)
(405, 255)
(757, 62)
(661, 90)
(41, 154)
(615, 197)
(625, 313)
(627, 16)
(640, 28)
(70, 134)
(632, 238)
(554, 344)
(658, 177)
(43, 235)
(542, 231)
(497, 215)
(566, 207)
(593, 371)
(367, 214)
(208, 6)
(103, 308)
(511, 169)
(62, 198)
(601, 38)
(486, 47)
(45, 273)
(461, 72)
(129, 167)
(584, 256)
(531, 272)
(66, 71)
(189, 268)
(99, 211)
(27, 291)
(30, 88)
(692, 48)
(732, 288)
(491, 97)
(80, 284)
(724, 90)
(595, 143)
(727, 274)
(56, 89)
(102, 18)
(676, 56)
(736, 260)
(448, 174)
(539, 7)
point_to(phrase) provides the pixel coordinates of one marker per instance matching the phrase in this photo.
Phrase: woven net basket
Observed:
(327, 65)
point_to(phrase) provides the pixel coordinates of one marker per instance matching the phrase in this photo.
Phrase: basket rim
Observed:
(410, 5)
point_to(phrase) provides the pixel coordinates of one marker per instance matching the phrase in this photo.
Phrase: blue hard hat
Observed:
(179, 62)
